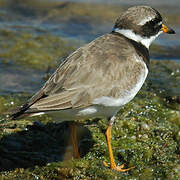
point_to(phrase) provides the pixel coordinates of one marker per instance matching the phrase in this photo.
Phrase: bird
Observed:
(97, 79)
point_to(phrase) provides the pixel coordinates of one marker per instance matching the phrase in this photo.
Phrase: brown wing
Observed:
(100, 68)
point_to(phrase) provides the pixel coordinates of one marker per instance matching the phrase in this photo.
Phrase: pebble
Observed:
(145, 126)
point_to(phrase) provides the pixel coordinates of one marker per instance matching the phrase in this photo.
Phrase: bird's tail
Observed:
(19, 112)
(22, 112)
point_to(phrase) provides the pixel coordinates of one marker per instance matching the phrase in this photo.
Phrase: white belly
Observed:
(94, 111)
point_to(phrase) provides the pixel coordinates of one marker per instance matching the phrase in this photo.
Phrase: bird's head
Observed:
(141, 24)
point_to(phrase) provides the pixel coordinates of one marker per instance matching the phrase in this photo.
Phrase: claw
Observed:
(118, 168)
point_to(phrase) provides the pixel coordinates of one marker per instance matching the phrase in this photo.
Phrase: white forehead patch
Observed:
(160, 23)
(145, 20)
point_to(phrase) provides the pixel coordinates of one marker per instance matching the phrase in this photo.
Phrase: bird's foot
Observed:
(117, 168)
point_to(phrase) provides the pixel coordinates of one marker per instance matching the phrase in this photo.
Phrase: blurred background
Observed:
(35, 37)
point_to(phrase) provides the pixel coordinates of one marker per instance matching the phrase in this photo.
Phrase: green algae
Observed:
(145, 135)
(36, 51)
(166, 83)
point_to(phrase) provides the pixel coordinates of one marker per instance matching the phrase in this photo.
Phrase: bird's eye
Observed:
(156, 23)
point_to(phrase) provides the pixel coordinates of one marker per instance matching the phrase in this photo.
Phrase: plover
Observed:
(101, 76)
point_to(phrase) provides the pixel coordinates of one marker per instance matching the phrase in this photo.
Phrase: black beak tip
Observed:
(171, 31)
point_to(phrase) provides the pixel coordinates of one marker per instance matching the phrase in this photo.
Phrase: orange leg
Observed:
(73, 129)
(111, 157)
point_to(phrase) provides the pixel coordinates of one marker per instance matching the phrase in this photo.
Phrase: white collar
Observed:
(131, 35)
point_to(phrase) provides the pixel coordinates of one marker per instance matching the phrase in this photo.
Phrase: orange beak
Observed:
(167, 30)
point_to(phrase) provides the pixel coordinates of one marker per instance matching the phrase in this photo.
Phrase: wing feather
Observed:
(100, 68)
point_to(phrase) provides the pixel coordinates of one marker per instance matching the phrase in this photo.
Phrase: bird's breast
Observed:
(126, 94)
